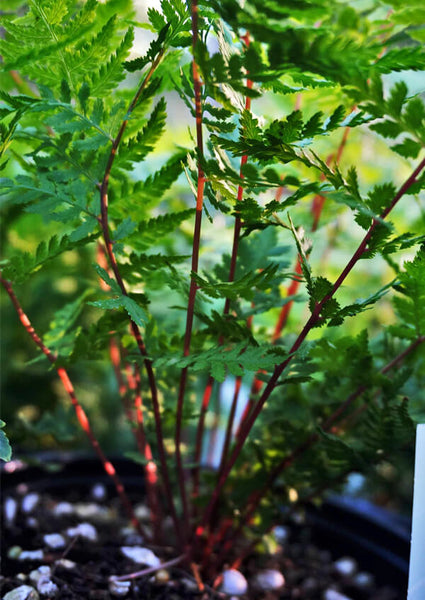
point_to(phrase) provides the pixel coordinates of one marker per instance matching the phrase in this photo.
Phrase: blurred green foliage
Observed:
(336, 115)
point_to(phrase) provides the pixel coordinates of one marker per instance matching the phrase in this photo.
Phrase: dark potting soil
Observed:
(310, 572)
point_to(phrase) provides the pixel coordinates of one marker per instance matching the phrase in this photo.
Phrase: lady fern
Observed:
(209, 251)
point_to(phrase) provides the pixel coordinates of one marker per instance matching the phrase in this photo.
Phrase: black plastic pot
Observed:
(376, 538)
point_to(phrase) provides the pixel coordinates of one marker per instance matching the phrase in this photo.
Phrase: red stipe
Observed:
(200, 434)
(311, 322)
(115, 355)
(151, 473)
(114, 266)
(197, 88)
(79, 411)
(215, 541)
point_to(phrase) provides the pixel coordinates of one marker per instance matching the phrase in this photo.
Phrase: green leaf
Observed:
(5, 448)
(410, 306)
(20, 266)
(136, 312)
(136, 148)
(408, 148)
(107, 279)
(401, 59)
(124, 229)
(243, 287)
(397, 98)
(388, 128)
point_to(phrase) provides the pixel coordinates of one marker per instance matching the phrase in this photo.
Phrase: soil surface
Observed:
(84, 559)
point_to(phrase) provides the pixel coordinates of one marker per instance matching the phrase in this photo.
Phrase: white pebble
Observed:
(65, 563)
(23, 592)
(234, 583)
(63, 508)
(119, 588)
(54, 540)
(21, 576)
(189, 584)
(363, 580)
(46, 587)
(91, 510)
(281, 534)
(14, 552)
(31, 555)
(98, 491)
(29, 502)
(346, 566)
(141, 556)
(269, 579)
(334, 595)
(84, 530)
(43, 571)
(10, 509)
(142, 512)
(31, 522)
(162, 577)
(131, 537)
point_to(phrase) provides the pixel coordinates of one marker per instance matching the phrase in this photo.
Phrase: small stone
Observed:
(233, 583)
(32, 523)
(331, 594)
(142, 512)
(46, 587)
(141, 556)
(65, 563)
(118, 588)
(54, 540)
(131, 537)
(14, 552)
(269, 579)
(22, 576)
(31, 555)
(189, 584)
(91, 510)
(363, 580)
(10, 509)
(162, 577)
(23, 592)
(84, 530)
(29, 502)
(346, 566)
(98, 491)
(43, 571)
(281, 534)
(63, 508)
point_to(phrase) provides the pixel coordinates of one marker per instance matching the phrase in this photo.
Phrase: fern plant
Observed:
(214, 211)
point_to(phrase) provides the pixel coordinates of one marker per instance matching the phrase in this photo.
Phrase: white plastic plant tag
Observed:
(416, 590)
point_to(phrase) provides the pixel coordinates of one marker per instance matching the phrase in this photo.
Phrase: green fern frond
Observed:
(20, 266)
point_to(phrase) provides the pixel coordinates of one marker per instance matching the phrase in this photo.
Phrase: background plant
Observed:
(235, 259)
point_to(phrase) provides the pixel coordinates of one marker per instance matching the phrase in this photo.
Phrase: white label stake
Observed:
(416, 589)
